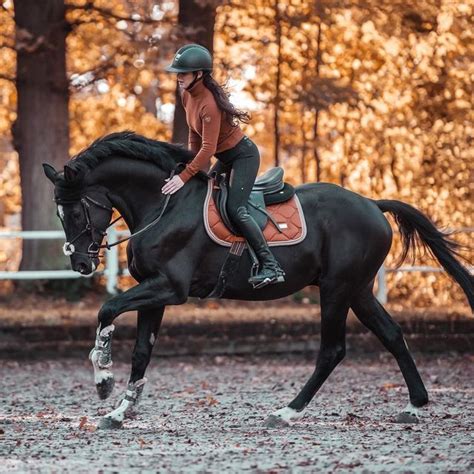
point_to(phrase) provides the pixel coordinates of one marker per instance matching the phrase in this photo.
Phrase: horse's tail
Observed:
(417, 231)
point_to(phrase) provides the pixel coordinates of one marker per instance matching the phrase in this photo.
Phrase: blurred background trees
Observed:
(373, 95)
(40, 131)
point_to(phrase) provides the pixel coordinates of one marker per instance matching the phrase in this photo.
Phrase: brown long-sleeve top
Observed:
(209, 131)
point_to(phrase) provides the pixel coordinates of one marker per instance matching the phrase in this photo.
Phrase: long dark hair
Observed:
(233, 115)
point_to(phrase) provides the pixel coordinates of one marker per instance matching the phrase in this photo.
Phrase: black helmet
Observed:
(191, 57)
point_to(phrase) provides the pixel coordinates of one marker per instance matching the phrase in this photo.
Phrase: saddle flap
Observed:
(256, 197)
(268, 189)
(290, 225)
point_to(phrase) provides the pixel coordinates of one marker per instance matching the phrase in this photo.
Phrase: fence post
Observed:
(112, 263)
(381, 285)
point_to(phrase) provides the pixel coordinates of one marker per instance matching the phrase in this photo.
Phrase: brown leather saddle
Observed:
(272, 203)
(275, 207)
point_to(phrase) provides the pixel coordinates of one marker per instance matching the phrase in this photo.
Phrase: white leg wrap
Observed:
(107, 330)
(99, 374)
(134, 391)
(288, 414)
(119, 413)
(412, 410)
(100, 355)
(130, 399)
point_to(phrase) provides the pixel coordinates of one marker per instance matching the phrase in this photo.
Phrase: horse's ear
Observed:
(70, 174)
(50, 172)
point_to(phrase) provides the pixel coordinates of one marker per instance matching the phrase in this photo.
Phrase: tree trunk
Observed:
(41, 131)
(303, 148)
(316, 155)
(305, 79)
(277, 102)
(197, 24)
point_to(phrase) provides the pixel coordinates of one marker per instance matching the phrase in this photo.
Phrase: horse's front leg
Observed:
(150, 294)
(101, 358)
(148, 325)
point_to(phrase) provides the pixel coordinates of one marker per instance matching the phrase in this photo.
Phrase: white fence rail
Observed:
(112, 269)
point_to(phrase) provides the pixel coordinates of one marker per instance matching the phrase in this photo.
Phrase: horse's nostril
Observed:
(82, 268)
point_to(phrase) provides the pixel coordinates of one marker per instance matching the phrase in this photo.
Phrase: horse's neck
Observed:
(133, 188)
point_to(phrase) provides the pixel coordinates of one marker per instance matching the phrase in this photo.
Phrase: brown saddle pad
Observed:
(289, 216)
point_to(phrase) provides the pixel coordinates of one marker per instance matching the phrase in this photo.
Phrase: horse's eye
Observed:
(76, 214)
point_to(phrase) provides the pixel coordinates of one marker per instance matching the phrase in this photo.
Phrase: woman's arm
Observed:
(211, 125)
(194, 141)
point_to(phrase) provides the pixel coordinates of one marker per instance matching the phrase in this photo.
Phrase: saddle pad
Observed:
(289, 215)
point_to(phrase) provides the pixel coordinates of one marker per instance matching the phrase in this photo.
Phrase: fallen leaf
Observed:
(82, 422)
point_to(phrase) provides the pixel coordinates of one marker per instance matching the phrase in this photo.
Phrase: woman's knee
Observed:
(236, 212)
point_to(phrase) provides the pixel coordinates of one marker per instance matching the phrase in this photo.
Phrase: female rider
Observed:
(213, 131)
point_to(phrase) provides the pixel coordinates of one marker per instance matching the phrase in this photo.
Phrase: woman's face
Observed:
(185, 78)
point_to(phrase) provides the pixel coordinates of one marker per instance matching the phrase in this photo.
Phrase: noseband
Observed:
(95, 247)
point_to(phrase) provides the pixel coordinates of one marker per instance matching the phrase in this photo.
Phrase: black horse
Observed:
(347, 240)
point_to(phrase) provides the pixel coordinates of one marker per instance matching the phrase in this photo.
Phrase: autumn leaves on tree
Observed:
(372, 95)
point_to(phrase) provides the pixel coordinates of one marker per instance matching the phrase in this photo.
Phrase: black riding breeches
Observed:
(240, 164)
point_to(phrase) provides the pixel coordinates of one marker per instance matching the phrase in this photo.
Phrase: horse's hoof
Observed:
(405, 417)
(105, 387)
(274, 421)
(108, 423)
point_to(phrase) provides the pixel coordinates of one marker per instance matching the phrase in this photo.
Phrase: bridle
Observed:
(95, 247)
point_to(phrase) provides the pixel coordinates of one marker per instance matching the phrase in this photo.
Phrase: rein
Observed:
(94, 248)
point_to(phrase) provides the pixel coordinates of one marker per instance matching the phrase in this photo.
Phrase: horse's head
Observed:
(84, 213)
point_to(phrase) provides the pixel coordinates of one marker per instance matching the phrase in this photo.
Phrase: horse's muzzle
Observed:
(85, 267)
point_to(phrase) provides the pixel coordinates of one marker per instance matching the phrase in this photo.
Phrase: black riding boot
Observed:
(269, 270)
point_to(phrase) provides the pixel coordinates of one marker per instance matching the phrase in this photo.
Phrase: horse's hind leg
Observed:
(374, 316)
(148, 325)
(335, 302)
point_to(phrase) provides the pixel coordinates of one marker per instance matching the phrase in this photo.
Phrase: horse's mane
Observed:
(129, 144)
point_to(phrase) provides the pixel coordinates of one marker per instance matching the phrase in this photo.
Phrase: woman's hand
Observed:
(172, 185)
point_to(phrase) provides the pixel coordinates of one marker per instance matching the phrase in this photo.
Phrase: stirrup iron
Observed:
(268, 281)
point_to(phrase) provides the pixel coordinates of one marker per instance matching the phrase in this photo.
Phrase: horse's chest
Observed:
(142, 261)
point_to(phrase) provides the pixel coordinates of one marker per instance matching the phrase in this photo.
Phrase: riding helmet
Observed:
(191, 57)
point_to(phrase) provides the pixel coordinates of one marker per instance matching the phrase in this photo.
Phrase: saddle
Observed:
(272, 203)
(275, 207)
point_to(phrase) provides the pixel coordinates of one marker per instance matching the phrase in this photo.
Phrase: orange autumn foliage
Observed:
(374, 95)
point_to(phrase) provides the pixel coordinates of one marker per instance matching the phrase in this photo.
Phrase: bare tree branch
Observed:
(96, 74)
(80, 22)
(108, 13)
(5, 77)
(7, 46)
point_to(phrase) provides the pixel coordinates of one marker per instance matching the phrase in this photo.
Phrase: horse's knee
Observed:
(106, 314)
